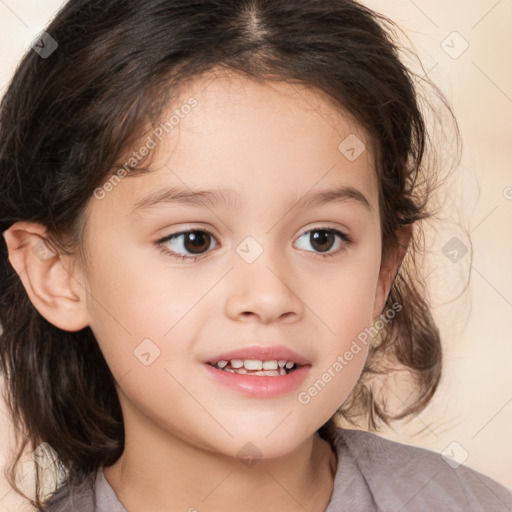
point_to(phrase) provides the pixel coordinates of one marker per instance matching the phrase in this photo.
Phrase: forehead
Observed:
(263, 139)
(275, 112)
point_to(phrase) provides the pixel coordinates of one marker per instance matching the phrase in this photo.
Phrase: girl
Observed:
(148, 371)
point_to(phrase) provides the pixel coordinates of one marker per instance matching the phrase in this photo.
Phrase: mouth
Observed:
(267, 368)
(257, 371)
(264, 361)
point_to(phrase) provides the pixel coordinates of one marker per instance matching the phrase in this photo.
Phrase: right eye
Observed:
(194, 241)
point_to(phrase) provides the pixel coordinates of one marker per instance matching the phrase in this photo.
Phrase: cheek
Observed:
(138, 308)
(141, 315)
(344, 294)
(343, 301)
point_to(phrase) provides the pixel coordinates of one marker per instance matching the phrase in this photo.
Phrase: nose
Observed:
(263, 291)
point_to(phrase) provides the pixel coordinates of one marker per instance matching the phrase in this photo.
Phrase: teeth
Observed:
(268, 373)
(256, 367)
(252, 364)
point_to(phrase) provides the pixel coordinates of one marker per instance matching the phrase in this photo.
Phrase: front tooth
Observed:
(221, 364)
(237, 363)
(252, 364)
(289, 364)
(270, 365)
(282, 363)
(282, 371)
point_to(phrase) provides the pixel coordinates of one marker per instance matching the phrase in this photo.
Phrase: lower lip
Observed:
(259, 386)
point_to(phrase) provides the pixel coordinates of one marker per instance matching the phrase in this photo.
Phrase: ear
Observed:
(53, 290)
(389, 269)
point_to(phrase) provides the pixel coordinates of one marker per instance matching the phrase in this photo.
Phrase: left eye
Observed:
(322, 240)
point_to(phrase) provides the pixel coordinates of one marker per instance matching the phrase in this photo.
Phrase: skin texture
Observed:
(271, 143)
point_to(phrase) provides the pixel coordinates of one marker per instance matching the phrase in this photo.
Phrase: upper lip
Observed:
(261, 353)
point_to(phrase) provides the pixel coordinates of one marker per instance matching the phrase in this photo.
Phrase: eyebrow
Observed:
(213, 197)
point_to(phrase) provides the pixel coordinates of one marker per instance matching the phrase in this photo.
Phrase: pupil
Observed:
(321, 237)
(195, 240)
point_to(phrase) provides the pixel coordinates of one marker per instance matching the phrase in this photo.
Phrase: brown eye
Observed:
(185, 245)
(323, 240)
(196, 242)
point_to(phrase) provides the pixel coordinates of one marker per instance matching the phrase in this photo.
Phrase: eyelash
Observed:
(347, 241)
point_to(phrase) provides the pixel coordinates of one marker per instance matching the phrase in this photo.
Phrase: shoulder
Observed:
(79, 498)
(414, 478)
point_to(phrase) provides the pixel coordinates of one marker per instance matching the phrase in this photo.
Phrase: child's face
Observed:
(259, 281)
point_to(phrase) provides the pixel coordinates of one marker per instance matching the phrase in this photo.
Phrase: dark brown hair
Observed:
(67, 119)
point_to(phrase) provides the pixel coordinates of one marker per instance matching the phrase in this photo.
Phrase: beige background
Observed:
(471, 415)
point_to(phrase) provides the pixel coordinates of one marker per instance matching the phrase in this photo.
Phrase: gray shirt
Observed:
(374, 474)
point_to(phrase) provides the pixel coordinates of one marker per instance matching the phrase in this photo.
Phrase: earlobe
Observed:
(56, 293)
(389, 269)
